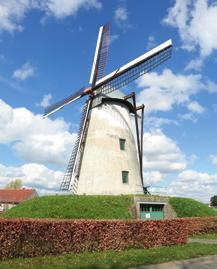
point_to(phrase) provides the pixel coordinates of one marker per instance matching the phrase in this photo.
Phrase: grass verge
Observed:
(205, 236)
(112, 259)
(186, 207)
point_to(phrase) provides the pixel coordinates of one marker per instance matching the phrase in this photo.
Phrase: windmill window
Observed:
(122, 143)
(125, 177)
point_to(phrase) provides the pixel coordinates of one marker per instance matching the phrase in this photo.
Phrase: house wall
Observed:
(5, 206)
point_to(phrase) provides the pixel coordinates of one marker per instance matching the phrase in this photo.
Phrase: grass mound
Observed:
(74, 207)
(186, 207)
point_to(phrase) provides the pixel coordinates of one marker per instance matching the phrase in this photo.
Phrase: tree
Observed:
(213, 200)
(14, 184)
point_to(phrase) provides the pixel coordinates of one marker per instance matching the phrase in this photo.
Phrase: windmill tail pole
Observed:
(139, 145)
(142, 107)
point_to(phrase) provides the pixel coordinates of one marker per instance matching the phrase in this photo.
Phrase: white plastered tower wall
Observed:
(103, 161)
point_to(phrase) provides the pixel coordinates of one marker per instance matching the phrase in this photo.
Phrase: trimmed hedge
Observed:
(202, 225)
(34, 237)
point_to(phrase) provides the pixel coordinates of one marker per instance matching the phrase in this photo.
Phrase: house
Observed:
(12, 197)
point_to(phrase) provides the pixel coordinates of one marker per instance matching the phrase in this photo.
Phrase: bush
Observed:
(213, 200)
(34, 237)
(202, 225)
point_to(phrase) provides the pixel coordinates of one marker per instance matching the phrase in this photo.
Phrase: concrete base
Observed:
(169, 212)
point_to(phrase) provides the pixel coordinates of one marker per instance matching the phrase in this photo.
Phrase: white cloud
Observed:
(152, 177)
(162, 91)
(113, 38)
(156, 122)
(161, 153)
(121, 14)
(35, 139)
(151, 42)
(188, 116)
(45, 102)
(26, 71)
(196, 23)
(213, 159)
(32, 176)
(211, 87)
(193, 184)
(195, 107)
(12, 12)
(64, 8)
(195, 64)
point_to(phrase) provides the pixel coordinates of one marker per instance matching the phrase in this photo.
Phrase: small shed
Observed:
(12, 197)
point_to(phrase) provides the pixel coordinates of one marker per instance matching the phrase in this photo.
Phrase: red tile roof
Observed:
(16, 196)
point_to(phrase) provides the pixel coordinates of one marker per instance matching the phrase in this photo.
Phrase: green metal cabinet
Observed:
(151, 211)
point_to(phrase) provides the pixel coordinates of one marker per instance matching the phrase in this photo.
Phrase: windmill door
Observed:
(151, 211)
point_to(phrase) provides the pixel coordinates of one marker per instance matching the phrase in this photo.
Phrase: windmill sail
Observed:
(101, 54)
(53, 108)
(136, 68)
(70, 178)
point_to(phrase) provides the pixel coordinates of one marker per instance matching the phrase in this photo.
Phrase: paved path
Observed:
(203, 241)
(207, 262)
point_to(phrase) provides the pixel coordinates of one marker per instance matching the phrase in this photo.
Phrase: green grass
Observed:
(74, 207)
(98, 207)
(186, 207)
(112, 259)
(206, 236)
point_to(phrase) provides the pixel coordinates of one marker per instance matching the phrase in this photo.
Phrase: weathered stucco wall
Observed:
(103, 161)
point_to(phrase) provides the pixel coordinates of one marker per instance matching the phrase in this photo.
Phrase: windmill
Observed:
(105, 158)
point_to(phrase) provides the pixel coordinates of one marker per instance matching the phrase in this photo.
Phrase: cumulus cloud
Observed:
(33, 138)
(64, 8)
(162, 158)
(188, 116)
(156, 122)
(161, 153)
(121, 14)
(160, 92)
(195, 64)
(151, 42)
(26, 71)
(195, 107)
(211, 87)
(196, 23)
(32, 176)
(213, 159)
(45, 102)
(152, 177)
(12, 12)
(193, 184)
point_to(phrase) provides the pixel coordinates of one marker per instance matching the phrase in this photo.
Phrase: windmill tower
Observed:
(106, 159)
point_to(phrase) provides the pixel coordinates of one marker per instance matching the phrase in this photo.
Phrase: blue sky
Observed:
(46, 53)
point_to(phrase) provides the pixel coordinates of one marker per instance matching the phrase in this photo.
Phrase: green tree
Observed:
(213, 200)
(14, 184)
